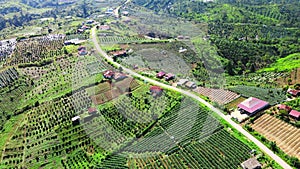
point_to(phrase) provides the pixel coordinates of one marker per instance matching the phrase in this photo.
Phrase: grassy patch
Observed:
(284, 64)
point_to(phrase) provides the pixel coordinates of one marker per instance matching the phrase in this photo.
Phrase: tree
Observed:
(229, 68)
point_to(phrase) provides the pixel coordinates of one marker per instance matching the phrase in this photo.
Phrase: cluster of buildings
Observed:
(167, 76)
(109, 74)
(186, 83)
(252, 105)
(292, 113)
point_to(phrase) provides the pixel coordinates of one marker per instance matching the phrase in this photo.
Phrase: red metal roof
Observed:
(155, 88)
(295, 113)
(252, 104)
(284, 107)
(293, 92)
(160, 74)
(109, 74)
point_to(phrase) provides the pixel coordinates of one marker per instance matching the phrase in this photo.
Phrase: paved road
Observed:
(187, 93)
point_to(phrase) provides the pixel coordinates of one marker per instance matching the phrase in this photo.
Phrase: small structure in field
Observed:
(294, 92)
(160, 74)
(76, 120)
(119, 53)
(182, 82)
(169, 76)
(295, 114)
(92, 110)
(156, 91)
(251, 163)
(252, 105)
(191, 85)
(284, 107)
(109, 74)
(181, 50)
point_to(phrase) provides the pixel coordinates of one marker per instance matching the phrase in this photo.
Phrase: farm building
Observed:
(251, 163)
(160, 74)
(293, 92)
(156, 91)
(295, 114)
(169, 76)
(252, 105)
(120, 76)
(119, 53)
(191, 85)
(109, 74)
(284, 107)
(75, 120)
(182, 82)
(92, 110)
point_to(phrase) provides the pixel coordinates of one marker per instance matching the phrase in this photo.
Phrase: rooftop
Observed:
(252, 104)
(295, 114)
(251, 163)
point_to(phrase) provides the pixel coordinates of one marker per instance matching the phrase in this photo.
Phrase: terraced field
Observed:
(287, 137)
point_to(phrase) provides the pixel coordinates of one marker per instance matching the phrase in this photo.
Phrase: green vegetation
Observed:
(273, 96)
(287, 63)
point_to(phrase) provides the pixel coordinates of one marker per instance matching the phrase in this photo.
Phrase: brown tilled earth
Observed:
(287, 137)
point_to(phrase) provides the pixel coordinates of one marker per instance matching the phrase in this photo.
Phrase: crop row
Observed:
(119, 39)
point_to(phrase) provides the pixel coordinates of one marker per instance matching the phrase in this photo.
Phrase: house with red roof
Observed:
(252, 105)
(294, 92)
(169, 76)
(295, 114)
(109, 74)
(156, 91)
(284, 107)
(160, 74)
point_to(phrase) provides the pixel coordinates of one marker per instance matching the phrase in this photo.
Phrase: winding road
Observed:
(189, 94)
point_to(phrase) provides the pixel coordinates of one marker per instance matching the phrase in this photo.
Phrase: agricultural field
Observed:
(262, 79)
(120, 39)
(36, 49)
(220, 96)
(233, 104)
(286, 136)
(271, 95)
